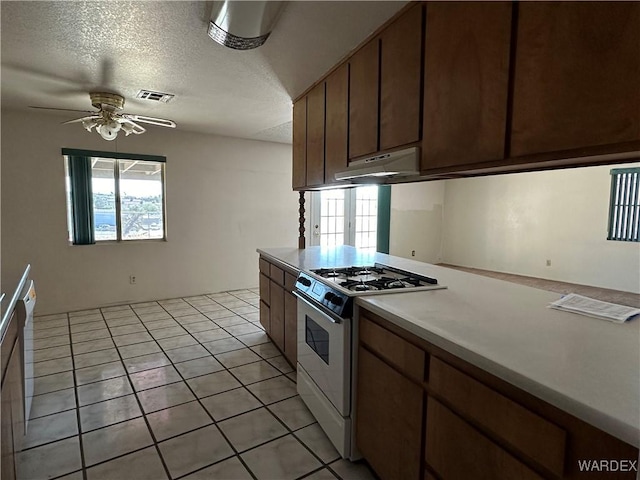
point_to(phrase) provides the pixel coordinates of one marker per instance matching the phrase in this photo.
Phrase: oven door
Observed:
(324, 351)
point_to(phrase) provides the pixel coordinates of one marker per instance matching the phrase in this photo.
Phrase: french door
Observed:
(345, 217)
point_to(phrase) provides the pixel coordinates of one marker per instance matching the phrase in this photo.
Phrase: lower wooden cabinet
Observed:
(279, 307)
(265, 316)
(457, 451)
(474, 426)
(388, 405)
(276, 327)
(290, 328)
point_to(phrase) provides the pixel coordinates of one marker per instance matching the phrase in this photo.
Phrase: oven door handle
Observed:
(327, 313)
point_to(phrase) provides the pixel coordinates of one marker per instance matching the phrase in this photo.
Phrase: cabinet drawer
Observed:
(289, 281)
(525, 431)
(397, 351)
(264, 266)
(276, 274)
(264, 288)
(457, 451)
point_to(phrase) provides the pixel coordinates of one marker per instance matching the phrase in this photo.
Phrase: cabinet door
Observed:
(290, 328)
(315, 136)
(577, 76)
(400, 80)
(265, 317)
(336, 127)
(363, 100)
(264, 288)
(388, 419)
(457, 451)
(300, 143)
(466, 76)
(276, 331)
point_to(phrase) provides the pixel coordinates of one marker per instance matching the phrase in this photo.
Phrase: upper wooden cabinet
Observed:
(385, 86)
(400, 80)
(484, 88)
(363, 100)
(336, 118)
(576, 77)
(300, 144)
(466, 78)
(315, 136)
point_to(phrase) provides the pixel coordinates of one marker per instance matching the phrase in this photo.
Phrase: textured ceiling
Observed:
(55, 52)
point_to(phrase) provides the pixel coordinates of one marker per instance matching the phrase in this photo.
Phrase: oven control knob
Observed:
(329, 296)
(336, 300)
(304, 281)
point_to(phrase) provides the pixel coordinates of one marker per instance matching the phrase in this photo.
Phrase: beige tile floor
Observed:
(182, 388)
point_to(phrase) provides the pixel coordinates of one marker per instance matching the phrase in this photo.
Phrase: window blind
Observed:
(624, 205)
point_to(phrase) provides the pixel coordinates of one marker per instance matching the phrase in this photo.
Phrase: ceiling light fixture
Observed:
(243, 25)
(108, 121)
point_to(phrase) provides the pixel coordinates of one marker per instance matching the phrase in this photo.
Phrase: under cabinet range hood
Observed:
(243, 25)
(402, 163)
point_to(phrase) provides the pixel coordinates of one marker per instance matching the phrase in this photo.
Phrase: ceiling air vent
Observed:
(154, 96)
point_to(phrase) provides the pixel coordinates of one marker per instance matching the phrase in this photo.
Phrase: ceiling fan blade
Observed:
(64, 109)
(82, 119)
(160, 122)
(129, 126)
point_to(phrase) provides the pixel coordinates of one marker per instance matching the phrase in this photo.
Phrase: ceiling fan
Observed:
(108, 121)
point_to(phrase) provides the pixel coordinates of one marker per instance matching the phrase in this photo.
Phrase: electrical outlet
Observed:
(132, 279)
(413, 253)
(548, 263)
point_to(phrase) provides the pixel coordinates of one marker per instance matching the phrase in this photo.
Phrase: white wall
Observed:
(416, 220)
(225, 197)
(515, 223)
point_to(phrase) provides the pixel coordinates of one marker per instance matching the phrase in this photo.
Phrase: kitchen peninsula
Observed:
(528, 389)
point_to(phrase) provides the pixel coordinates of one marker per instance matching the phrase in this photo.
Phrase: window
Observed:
(624, 206)
(347, 216)
(114, 196)
(366, 217)
(332, 218)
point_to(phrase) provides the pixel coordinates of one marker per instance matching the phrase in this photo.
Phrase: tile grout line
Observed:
(226, 439)
(242, 384)
(142, 412)
(75, 393)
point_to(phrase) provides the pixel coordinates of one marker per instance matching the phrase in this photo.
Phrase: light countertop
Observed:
(587, 367)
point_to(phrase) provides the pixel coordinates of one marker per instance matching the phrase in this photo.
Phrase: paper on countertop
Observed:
(594, 308)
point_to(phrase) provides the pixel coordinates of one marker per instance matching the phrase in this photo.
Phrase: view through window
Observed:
(127, 199)
(346, 216)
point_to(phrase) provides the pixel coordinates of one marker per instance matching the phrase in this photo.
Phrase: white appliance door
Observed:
(324, 351)
(24, 308)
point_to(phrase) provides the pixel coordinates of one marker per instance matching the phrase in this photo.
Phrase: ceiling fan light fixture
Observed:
(108, 121)
(109, 130)
(88, 124)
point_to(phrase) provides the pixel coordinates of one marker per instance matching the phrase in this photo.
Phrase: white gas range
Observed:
(327, 339)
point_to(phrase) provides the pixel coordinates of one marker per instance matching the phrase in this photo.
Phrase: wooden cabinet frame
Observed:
(548, 445)
(278, 307)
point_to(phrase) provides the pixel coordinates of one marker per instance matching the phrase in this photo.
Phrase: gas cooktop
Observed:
(333, 287)
(367, 279)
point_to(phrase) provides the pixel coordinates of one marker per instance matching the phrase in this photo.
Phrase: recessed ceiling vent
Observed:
(154, 96)
(243, 25)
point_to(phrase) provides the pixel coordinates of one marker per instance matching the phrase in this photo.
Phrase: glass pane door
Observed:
(366, 217)
(345, 217)
(332, 218)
